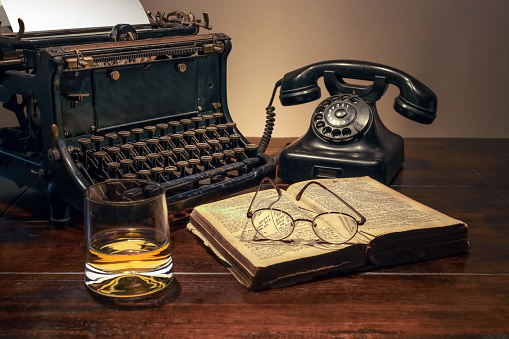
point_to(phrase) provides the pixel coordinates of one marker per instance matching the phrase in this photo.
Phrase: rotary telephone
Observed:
(346, 137)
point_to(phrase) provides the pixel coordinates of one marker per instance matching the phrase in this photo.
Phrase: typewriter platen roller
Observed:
(146, 102)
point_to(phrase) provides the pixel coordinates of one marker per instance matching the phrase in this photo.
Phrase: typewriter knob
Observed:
(114, 75)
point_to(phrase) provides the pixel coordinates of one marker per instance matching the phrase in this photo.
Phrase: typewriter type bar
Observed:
(151, 108)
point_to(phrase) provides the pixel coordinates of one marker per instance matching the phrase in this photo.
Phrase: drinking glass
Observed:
(127, 239)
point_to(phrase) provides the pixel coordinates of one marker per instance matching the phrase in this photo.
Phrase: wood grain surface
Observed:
(42, 293)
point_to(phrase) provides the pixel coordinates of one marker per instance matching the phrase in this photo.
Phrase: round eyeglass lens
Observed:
(335, 228)
(272, 224)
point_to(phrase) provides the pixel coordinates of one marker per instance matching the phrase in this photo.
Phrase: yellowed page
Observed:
(385, 209)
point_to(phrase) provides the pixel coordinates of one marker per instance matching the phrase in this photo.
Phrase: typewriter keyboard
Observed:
(182, 155)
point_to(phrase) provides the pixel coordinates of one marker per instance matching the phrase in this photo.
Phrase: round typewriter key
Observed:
(152, 144)
(194, 163)
(124, 135)
(218, 116)
(251, 150)
(185, 124)
(112, 169)
(173, 126)
(137, 132)
(179, 153)
(111, 138)
(177, 139)
(234, 138)
(84, 142)
(230, 127)
(214, 146)
(126, 165)
(207, 118)
(182, 165)
(171, 171)
(221, 129)
(149, 131)
(144, 174)
(126, 149)
(196, 122)
(206, 160)
(97, 139)
(202, 147)
(156, 173)
(162, 127)
(165, 141)
(129, 176)
(166, 154)
(228, 155)
(199, 133)
(188, 137)
(239, 153)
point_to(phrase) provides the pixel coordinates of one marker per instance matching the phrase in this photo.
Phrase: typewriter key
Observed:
(137, 132)
(97, 139)
(111, 138)
(196, 122)
(230, 127)
(144, 174)
(199, 134)
(207, 119)
(228, 155)
(206, 161)
(124, 135)
(167, 157)
(218, 117)
(182, 165)
(203, 148)
(171, 171)
(251, 150)
(152, 144)
(162, 127)
(174, 126)
(211, 132)
(127, 150)
(152, 159)
(157, 174)
(179, 153)
(221, 130)
(234, 139)
(149, 131)
(214, 146)
(186, 123)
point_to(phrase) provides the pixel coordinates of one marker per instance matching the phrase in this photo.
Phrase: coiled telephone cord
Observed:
(269, 123)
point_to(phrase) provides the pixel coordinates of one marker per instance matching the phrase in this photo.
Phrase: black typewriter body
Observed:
(91, 107)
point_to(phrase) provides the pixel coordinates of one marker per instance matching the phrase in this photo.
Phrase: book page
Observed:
(228, 219)
(385, 209)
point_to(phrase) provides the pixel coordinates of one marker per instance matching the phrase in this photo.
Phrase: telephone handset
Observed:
(346, 136)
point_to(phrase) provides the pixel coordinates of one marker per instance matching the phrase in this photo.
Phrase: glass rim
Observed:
(161, 192)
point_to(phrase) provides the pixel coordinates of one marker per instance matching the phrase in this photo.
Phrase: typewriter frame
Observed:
(65, 95)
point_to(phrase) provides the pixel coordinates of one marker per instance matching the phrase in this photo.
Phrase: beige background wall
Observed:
(458, 48)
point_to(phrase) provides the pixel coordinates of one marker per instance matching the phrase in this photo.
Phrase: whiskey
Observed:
(128, 262)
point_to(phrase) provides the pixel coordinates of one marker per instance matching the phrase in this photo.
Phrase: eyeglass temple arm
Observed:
(298, 196)
(264, 180)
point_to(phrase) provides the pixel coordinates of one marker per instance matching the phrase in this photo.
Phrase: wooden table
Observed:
(42, 293)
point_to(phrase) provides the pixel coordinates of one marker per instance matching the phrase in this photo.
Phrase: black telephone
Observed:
(346, 137)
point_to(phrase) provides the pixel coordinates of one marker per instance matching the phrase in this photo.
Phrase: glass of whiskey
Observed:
(127, 239)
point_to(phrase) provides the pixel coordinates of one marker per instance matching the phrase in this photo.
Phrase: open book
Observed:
(397, 230)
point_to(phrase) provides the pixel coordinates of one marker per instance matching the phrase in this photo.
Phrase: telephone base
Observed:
(382, 162)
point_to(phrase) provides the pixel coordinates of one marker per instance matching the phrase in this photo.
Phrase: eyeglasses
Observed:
(332, 227)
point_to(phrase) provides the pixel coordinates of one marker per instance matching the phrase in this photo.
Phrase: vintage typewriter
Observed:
(145, 101)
